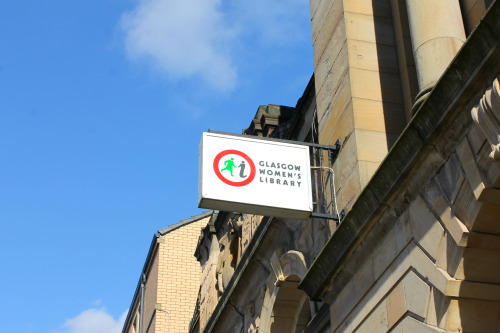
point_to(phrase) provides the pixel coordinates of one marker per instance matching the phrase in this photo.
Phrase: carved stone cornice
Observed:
(486, 116)
(267, 118)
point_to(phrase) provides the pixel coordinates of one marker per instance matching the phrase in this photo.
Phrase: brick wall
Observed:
(178, 277)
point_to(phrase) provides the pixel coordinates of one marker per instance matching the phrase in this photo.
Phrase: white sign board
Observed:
(248, 175)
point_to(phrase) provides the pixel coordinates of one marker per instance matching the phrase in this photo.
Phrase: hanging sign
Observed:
(248, 175)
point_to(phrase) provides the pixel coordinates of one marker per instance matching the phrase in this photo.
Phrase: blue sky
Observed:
(102, 106)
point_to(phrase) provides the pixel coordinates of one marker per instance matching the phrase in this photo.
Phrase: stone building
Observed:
(170, 278)
(411, 91)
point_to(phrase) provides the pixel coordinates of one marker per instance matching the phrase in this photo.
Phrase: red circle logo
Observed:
(232, 176)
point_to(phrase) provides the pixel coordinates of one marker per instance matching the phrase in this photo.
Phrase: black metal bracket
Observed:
(336, 217)
(334, 150)
(323, 158)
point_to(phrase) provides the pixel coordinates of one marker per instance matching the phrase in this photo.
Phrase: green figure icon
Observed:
(229, 166)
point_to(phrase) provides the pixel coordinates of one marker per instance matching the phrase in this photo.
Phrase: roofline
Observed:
(151, 252)
(181, 223)
(145, 271)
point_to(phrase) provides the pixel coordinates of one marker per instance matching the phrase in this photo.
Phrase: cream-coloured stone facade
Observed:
(418, 250)
(358, 88)
(171, 280)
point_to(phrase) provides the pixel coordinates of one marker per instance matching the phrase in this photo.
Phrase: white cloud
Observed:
(208, 39)
(97, 302)
(94, 321)
(273, 21)
(184, 38)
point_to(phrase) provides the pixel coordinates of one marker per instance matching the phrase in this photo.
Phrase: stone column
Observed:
(437, 33)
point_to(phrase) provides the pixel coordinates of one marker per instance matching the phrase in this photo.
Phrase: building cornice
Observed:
(182, 223)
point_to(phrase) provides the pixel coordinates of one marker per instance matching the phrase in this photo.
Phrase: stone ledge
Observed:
(475, 290)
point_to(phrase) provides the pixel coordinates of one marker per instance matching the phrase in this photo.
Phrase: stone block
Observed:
(369, 28)
(431, 318)
(350, 296)
(450, 178)
(396, 305)
(475, 290)
(378, 116)
(363, 276)
(346, 162)
(466, 208)
(490, 195)
(372, 145)
(403, 230)
(341, 307)
(376, 322)
(479, 265)
(425, 267)
(467, 315)
(484, 241)
(472, 172)
(313, 5)
(343, 127)
(384, 254)
(416, 294)
(372, 296)
(449, 254)
(378, 86)
(487, 219)
(334, 58)
(332, 100)
(366, 171)
(372, 56)
(355, 295)
(380, 8)
(349, 191)
(328, 17)
(329, 75)
(453, 225)
(426, 229)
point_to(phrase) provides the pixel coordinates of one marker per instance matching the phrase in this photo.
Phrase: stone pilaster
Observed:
(358, 89)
